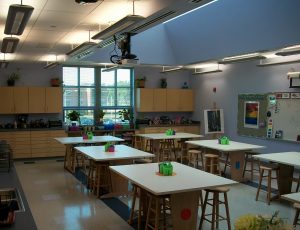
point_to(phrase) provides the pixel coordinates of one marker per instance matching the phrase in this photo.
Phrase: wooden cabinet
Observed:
(164, 100)
(54, 100)
(21, 145)
(14, 100)
(180, 100)
(45, 100)
(36, 100)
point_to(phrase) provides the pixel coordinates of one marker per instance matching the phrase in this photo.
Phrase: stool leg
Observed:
(296, 217)
(157, 212)
(227, 211)
(245, 165)
(132, 204)
(203, 210)
(261, 173)
(148, 212)
(269, 186)
(213, 220)
(217, 209)
(252, 167)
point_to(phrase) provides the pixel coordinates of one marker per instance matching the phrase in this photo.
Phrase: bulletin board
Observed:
(272, 115)
(285, 116)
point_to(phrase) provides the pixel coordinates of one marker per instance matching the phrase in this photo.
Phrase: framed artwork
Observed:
(214, 121)
(251, 114)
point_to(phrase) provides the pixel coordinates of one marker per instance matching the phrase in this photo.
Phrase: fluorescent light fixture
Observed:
(212, 69)
(9, 45)
(293, 50)
(293, 75)
(110, 68)
(3, 64)
(17, 18)
(279, 61)
(81, 49)
(119, 27)
(167, 69)
(50, 65)
(190, 11)
(241, 58)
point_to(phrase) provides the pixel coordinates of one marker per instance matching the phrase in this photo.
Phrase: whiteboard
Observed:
(285, 115)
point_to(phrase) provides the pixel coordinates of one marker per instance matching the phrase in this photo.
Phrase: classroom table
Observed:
(183, 187)
(122, 155)
(236, 151)
(286, 161)
(157, 137)
(70, 142)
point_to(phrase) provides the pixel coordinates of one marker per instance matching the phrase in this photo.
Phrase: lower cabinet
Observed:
(31, 144)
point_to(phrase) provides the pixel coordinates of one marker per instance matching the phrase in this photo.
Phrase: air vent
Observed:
(109, 41)
(157, 19)
(195, 1)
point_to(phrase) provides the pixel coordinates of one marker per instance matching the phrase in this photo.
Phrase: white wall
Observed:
(237, 79)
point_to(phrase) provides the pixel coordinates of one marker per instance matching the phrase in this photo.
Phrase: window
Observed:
(81, 85)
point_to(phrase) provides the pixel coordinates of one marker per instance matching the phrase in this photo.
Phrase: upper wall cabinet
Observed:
(164, 100)
(45, 100)
(14, 100)
(180, 100)
(151, 100)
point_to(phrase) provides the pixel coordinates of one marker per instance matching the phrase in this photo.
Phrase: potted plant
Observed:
(12, 78)
(55, 82)
(73, 116)
(124, 114)
(101, 114)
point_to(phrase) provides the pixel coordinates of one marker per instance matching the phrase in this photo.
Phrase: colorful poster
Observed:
(251, 114)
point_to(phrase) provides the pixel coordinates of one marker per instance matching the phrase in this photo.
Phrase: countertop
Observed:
(24, 220)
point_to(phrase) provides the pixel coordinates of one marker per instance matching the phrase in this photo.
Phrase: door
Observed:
(21, 99)
(37, 100)
(7, 100)
(53, 100)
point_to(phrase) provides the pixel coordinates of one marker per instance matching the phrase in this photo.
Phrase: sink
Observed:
(9, 194)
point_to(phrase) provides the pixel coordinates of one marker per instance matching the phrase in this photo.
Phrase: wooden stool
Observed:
(215, 215)
(138, 142)
(193, 157)
(212, 164)
(149, 146)
(157, 205)
(166, 150)
(296, 218)
(99, 178)
(269, 170)
(297, 180)
(249, 158)
(138, 192)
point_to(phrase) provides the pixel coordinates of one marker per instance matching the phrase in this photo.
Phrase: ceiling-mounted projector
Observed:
(86, 1)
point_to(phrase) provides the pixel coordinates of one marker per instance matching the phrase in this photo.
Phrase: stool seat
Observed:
(218, 189)
(296, 218)
(296, 205)
(271, 167)
(193, 157)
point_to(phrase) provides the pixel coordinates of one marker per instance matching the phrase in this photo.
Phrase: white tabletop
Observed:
(288, 158)
(233, 146)
(80, 140)
(98, 153)
(186, 178)
(161, 136)
(293, 197)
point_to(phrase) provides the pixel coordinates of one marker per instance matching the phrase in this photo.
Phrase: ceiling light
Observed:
(167, 69)
(9, 45)
(241, 58)
(81, 49)
(293, 50)
(17, 18)
(3, 64)
(279, 61)
(212, 69)
(50, 65)
(119, 27)
(110, 68)
(293, 75)
(85, 1)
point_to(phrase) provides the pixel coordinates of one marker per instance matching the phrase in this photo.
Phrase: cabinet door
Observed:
(144, 100)
(7, 100)
(37, 100)
(173, 102)
(159, 100)
(186, 100)
(21, 99)
(53, 100)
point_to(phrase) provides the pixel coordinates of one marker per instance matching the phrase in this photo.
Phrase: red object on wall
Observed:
(186, 214)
